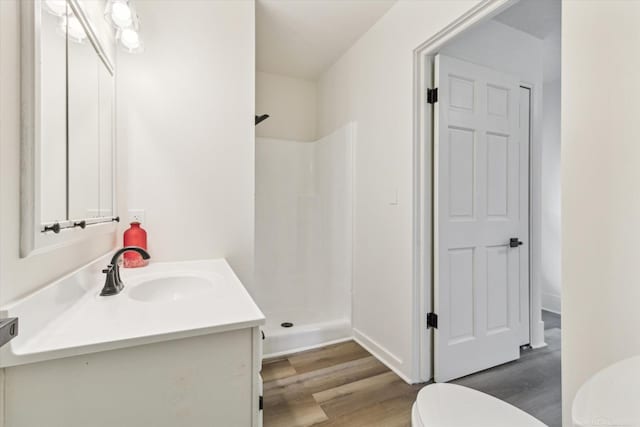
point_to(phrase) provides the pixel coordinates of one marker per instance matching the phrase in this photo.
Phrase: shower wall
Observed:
(303, 238)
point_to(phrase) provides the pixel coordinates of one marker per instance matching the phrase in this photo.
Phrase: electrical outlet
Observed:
(136, 215)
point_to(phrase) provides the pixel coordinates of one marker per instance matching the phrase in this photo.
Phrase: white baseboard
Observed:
(382, 354)
(551, 303)
(539, 345)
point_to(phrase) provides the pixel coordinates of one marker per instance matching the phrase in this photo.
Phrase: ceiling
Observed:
(541, 19)
(302, 38)
(536, 17)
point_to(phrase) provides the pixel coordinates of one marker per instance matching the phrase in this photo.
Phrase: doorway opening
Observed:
(488, 170)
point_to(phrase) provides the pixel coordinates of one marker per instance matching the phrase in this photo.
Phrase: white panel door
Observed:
(481, 202)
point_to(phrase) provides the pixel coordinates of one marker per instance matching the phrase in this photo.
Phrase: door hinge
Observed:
(432, 320)
(260, 403)
(432, 96)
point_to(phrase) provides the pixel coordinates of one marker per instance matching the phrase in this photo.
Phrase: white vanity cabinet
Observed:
(209, 380)
(81, 360)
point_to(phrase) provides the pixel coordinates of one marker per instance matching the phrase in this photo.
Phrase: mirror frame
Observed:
(33, 240)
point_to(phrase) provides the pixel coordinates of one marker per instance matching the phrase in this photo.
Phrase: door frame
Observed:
(530, 176)
(424, 193)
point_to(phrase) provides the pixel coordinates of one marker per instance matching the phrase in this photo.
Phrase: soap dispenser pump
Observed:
(135, 236)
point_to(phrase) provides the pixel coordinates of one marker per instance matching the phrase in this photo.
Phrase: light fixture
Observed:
(119, 14)
(72, 27)
(130, 40)
(56, 7)
(122, 15)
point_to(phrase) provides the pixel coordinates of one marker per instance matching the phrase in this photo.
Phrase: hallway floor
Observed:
(551, 320)
(343, 385)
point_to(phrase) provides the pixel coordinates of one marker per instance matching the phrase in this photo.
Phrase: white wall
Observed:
(551, 190)
(551, 238)
(372, 85)
(600, 201)
(186, 111)
(291, 105)
(20, 276)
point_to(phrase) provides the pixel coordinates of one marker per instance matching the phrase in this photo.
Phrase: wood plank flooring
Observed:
(343, 385)
(531, 383)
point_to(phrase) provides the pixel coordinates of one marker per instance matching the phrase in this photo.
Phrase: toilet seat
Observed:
(415, 416)
(610, 397)
(450, 405)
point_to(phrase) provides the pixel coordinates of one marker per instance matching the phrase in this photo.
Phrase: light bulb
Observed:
(73, 28)
(56, 7)
(121, 14)
(130, 38)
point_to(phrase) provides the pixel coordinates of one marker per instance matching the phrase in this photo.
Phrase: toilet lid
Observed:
(611, 397)
(450, 405)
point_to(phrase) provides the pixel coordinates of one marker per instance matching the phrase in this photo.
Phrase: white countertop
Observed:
(69, 318)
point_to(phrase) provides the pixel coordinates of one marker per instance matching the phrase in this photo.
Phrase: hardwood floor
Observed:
(337, 385)
(343, 385)
(531, 383)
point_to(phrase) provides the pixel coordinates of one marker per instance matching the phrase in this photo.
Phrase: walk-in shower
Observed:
(303, 240)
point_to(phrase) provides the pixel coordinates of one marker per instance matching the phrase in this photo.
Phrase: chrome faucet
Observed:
(113, 284)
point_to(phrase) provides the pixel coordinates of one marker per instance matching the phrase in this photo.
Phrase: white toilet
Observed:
(610, 397)
(450, 405)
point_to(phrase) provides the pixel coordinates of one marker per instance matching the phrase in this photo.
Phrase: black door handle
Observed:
(514, 242)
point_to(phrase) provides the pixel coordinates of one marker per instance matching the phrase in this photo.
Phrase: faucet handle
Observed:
(109, 269)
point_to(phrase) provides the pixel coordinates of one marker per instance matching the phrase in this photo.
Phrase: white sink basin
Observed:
(174, 288)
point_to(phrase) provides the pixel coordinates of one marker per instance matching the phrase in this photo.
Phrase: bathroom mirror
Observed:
(68, 147)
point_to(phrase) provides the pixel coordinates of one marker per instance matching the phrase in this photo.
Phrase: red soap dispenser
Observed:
(135, 236)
